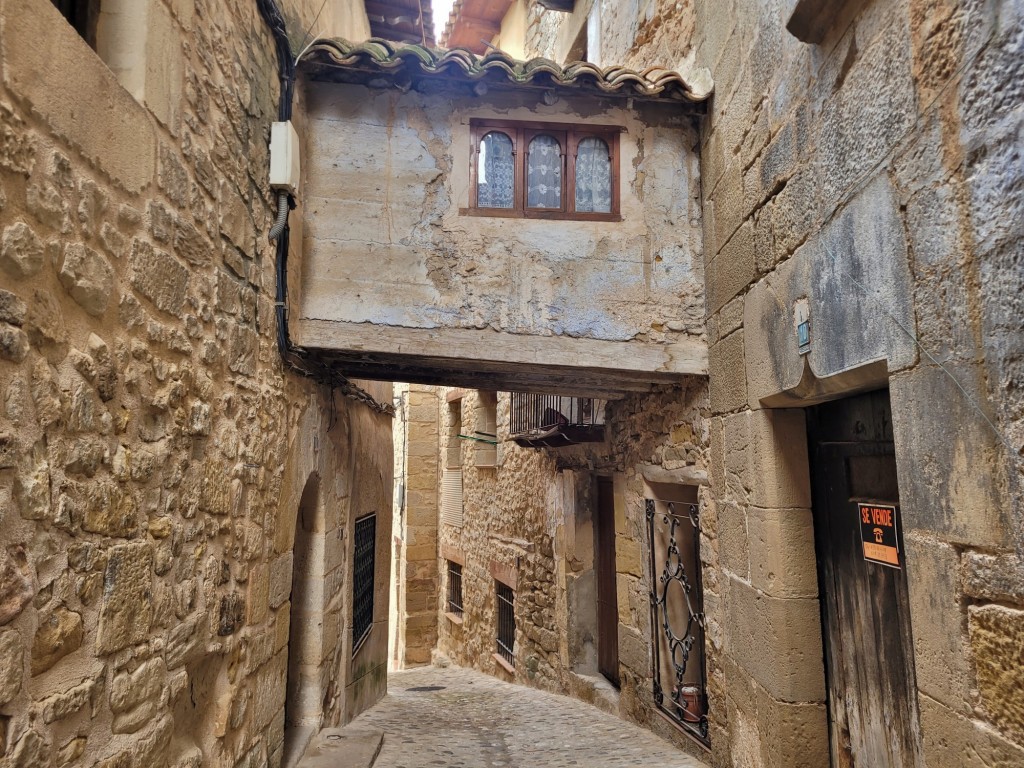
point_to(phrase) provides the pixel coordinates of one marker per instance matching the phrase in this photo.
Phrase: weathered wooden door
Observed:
(607, 595)
(872, 693)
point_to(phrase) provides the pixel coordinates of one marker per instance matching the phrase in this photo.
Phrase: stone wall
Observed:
(871, 177)
(154, 456)
(528, 522)
(414, 626)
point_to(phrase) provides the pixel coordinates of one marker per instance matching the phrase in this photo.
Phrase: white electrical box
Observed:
(284, 157)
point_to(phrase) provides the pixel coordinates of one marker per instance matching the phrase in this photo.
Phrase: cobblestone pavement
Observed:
(471, 720)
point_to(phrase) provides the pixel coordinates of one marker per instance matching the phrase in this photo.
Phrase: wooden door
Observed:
(607, 595)
(872, 692)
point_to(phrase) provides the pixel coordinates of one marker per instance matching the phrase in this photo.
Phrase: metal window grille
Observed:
(362, 579)
(677, 615)
(454, 588)
(506, 623)
(553, 420)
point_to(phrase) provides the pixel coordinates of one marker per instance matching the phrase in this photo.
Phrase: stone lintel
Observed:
(456, 555)
(506, 574)
(654, 473)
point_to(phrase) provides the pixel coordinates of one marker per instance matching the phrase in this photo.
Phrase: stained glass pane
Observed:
(495, 172)
(593, 176)
(544, 173)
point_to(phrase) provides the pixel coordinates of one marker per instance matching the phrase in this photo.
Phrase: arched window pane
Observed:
(544, 173)
(495, 172)
(593, 176)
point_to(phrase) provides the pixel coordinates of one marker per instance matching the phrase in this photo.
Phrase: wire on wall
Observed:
(303, 361)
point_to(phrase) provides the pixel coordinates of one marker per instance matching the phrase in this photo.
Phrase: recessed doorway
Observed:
(869, 650)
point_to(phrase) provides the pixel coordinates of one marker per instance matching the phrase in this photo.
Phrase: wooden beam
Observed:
(643, 360)
(562, 6)
(472, 25)
(569, 386)
(526, 375)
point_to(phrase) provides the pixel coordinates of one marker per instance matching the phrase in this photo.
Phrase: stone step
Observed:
(354, 746)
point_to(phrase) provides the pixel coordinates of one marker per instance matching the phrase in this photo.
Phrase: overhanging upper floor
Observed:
(499, 224)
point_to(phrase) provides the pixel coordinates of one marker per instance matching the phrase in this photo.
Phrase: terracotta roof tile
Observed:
(408, 62)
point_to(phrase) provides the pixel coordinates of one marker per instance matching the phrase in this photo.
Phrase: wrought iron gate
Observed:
(677, 615)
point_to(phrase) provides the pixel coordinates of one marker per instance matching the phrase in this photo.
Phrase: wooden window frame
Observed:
(521, 132)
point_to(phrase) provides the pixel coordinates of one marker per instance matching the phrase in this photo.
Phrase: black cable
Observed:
(286, 65)
(293, 357)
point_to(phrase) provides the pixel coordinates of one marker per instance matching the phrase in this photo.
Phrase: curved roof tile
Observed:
(417, 61)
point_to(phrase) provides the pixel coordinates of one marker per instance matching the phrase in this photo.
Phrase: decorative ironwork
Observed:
(506, 623)
(363, 566)
(677, 616)
(454, 588)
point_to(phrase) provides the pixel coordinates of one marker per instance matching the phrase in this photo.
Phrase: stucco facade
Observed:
(176, 510)
(532, 301)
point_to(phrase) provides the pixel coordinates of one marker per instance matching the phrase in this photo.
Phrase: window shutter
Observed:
(451, 498)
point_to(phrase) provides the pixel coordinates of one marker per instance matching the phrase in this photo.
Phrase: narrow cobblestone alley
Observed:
(459, 718)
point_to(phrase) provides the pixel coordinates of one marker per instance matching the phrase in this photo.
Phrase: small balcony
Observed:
(554, 421)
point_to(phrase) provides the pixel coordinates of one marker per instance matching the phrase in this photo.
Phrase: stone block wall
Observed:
(871, 177)
(856, 175)
(416, 574)
(153, 453)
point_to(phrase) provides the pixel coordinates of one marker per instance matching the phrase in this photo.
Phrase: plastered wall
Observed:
(392, 266)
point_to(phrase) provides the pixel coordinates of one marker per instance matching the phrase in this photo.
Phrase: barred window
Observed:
(677, 610)
(506, 600)
(363, 566)
(454, 588)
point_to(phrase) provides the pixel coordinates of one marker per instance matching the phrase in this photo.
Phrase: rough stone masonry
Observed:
(152, 449)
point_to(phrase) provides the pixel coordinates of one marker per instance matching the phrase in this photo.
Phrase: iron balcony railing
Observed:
(555, 420)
